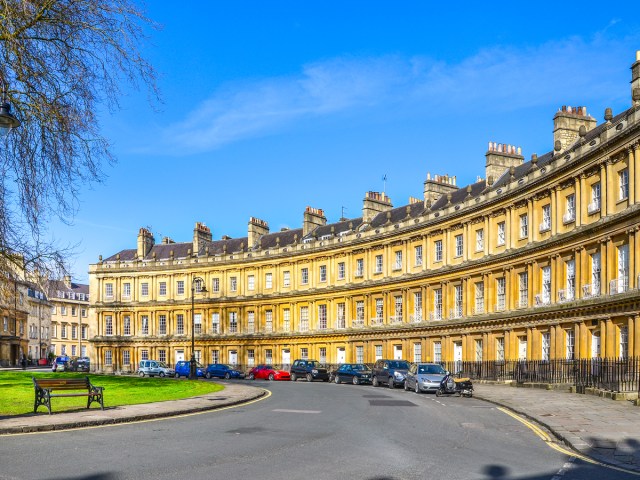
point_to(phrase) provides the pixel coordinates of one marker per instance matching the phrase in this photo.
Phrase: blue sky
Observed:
(272, 106)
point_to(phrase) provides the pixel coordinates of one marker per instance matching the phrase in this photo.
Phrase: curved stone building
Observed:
(538, 260)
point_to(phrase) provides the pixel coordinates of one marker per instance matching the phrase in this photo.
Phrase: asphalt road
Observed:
(302, 431)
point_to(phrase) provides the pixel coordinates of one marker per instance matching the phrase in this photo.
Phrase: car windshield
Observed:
(431, 369)
(312, 364)
(404, 365)
(163, 365)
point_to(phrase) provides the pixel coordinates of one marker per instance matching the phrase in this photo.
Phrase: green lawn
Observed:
(17, 393)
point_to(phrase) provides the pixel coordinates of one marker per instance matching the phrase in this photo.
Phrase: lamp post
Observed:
(7, 119)
(201, 288)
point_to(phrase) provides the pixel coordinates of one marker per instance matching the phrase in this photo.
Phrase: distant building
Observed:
(538, 260)
(13, 314)
(69, 317)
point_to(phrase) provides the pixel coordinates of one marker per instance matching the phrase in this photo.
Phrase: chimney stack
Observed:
(201, 236)
(500, 158)
(375, 203)
(145, 242)
(437, 186)
(257, 228)
(313, 218)
(635, 80)
(567, 123)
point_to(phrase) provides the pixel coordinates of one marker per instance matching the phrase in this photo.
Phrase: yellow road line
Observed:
(551, 443)
(121, 424)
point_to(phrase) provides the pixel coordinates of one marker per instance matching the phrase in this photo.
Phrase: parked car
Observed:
(355, 373)
(80, 364)
(424, 377)
(153, 368)
(267, 372)
(389, 372)
(183, 369)
(221, 370)
(309, 369)
(60, 364)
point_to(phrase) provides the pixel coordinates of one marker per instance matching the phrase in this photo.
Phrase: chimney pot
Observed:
(608, 114)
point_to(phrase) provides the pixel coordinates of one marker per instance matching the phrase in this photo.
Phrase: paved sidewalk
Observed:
(232, 394)
(599, 428)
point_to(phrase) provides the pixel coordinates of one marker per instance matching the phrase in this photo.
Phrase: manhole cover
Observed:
(391, 403)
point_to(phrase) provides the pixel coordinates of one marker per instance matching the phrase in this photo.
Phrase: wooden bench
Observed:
(44, 387)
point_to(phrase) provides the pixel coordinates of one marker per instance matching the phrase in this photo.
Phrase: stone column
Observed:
(604, 189)
(632, 175)
(610, 347)
(581, 205)
(609, 188)
(555, 213)
(636, 179)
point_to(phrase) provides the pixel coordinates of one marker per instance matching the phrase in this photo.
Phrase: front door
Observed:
(342, 356)
(179, 355)
(233, 357)
(595, 345)
(397, 352)
(522, 348)
(457, 356)
(286, 357)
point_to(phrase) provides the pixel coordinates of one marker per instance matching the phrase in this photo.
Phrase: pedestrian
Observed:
(24, 362)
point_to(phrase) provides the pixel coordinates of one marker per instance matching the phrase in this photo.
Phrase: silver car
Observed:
(424, 377)
(155, 367)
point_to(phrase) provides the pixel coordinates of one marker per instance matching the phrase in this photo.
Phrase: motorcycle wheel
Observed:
(439, 392)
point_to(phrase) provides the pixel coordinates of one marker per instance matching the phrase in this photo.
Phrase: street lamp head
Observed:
(7, 119)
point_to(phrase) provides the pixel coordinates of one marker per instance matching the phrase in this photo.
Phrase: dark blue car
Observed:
(221, 370)
(183, 367)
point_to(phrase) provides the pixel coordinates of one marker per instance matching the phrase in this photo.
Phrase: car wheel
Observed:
(251, 377)
(141, 374)
(417, 387)
(177, 375)
(391, 384)
(227, 376)
(375, 382)
(337, 380)
(406, 386)
(161, 374)
(271, 377)
(309, 377)
(207, 375)
(294, 377)
(356, 380)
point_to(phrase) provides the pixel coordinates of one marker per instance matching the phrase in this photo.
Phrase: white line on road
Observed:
(567, 466)
(284, 410)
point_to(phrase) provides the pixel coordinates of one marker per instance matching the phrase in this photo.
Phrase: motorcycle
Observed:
(455, 386)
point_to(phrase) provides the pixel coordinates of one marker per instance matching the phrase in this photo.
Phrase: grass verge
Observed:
(17, 392)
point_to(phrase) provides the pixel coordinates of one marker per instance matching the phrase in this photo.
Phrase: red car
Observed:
(267, 372)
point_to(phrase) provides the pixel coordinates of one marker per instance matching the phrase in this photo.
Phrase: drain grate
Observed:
(391, 403)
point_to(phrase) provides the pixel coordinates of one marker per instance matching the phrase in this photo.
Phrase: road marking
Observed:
(286, 410)
(567, 466)
(547, 439)
(122, 424)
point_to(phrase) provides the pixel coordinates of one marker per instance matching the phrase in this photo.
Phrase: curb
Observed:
(130, 419)
(560, 437)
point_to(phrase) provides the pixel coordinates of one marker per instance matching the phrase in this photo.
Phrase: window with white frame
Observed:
(341, 315)
(437, 352)
(359, 310)
(546, 285)
(378, 350)
(251, 357)
(268, 356)
(341, 271)
(286, 319)
(162, 289)
(126, 357)
(322, 316)
(594, 205)
(63, 330)
(233, 284)
(233, 322)
(501, 293)
(546, 346)
(523, 289)
(304, 319)
(268, 320)
(501, 234)
(323, 273)
(437, 304)
(595, 273)
(63, 310)
(126, 290)
(417, 255)
(378, 264)
(323, 355)
(126, 325)
(180, 287)
(437, 256)
(546, 218)
(571, 280)
(570, 214)
(417, 306)
(215, 356)
(144, 324)
(251, 322)
(570, 338)
(623, 184)
(83, 312)
(108, 325)
(359, 267)
(379, 309)
(478, 350)
(524, 226)
(359, 354)
(457, 301)
(623, 268)
(215, 322)
(624, 342)
(179, 324)
(479, 240)
(162, 355)
(459, 245)
(500, 349)
(162, 324)
(268, 280)
(397, 301)
(215, 285)
(417, 352)
(108, 357)
(286, 279)
(304, 353)
(108, 290)
(144, 289)
(144, 354)
(479, 297)
(397, 265)
(251, 282)
(304, 276)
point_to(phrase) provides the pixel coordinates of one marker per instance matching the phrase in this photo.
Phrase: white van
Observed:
(155, 367)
